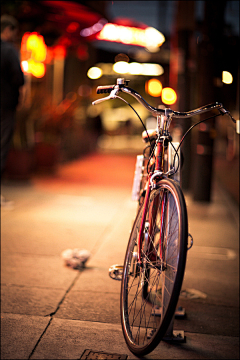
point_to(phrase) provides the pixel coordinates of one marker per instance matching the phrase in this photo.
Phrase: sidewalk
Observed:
(50, 311)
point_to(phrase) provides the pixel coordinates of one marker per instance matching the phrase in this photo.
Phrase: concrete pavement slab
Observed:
(67, 339)
(82, 335)
(30, 300)
(31, 271)
(95, 294)
(95, 279)
(50, 226)
(82, 305)
(204, 317)
(213, 262)
(218, 279)
(20, 334)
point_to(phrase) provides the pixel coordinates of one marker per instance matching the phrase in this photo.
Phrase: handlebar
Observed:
(105, 89)
(122, 86)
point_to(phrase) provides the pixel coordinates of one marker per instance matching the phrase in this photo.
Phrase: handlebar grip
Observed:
(105, 89)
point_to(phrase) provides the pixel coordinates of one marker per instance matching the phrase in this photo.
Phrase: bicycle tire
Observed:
(157, 282)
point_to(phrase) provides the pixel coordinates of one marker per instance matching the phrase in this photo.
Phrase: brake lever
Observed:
(224, 111)
(112, 95)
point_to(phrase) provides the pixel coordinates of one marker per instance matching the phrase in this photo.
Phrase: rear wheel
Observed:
(150, 289)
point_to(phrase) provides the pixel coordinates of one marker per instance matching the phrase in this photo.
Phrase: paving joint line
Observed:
(54, 312)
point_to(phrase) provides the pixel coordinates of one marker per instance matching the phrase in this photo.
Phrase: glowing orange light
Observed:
(49, 56)
(153, 87)
(36, 68)
(36, 45)
(33, 53)
(169, 96)
(25, 54)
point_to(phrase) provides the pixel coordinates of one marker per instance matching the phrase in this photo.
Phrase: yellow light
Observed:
(109, 32)
(169, 96)
(227, 77)
(152, 69)
(125, 34)
(135, 68)
(154, 87)
(121, 67)
(39, 70)
(32, 41)
(36, 68)
(149, 37)
(35, 44)
(154, 39)
(94, 73)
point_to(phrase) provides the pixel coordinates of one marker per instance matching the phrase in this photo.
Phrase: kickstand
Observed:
(175, 335)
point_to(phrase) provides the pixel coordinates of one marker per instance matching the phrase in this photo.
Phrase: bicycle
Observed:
(155, 259)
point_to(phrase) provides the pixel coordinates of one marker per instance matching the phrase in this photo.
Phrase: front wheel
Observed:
(150, 289)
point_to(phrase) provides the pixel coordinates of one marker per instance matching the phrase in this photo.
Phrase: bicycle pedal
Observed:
(115, 272)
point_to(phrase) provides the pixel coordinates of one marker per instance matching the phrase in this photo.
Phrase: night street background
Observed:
(70, 172)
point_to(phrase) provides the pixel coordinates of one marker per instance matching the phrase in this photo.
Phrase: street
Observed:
(51, 311)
